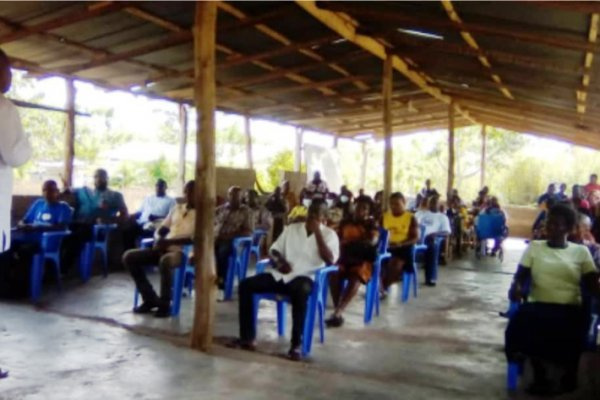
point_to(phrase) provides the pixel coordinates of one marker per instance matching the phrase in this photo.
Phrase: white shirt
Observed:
(434, 222)
(302, 252)
(15, 150)
(157, 206)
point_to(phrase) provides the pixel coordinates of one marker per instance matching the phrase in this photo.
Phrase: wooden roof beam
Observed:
(91, 11)
(229, 8)
(346, 28)
(426, 21)
(470, 40)
(582, 93)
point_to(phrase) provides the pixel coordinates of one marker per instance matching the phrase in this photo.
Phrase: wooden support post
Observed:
(205, 194)
(70, 134)
(298, 150)
(450, 184)
(365, 160)
(387, 128)
(483, 151)
(248, 133)
(183, 132)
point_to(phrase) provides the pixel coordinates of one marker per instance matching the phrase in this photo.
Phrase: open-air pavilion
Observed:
(348, 69)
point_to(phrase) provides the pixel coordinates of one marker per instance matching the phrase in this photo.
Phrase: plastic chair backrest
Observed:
(257, 236)
(490, 226)
(384, 239)
(51, 240)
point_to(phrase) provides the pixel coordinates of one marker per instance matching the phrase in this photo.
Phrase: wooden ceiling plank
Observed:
(91, 11)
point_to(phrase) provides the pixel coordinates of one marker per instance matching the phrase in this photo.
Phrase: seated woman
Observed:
(358, 238)
(404, 234)
(539, 225)
(552, 326)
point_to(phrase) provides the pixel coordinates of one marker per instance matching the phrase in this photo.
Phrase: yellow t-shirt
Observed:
(556, 273)
(397, 226)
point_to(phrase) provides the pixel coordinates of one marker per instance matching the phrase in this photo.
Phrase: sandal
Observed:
(240, 344)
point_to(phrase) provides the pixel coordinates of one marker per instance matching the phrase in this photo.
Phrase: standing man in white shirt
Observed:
(299, 251)
(15, 150)
(436, 224)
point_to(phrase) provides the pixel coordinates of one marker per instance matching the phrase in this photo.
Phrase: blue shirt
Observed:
(94, 204)
(42, 213)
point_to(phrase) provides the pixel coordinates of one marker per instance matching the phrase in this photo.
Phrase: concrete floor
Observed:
(446, 344)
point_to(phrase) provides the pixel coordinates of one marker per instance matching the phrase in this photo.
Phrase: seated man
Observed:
(47, 213)
(98, 205)
(403, 235)
(155, 208)
(261, 216)
(153, 211)
(301, 249)
(175, 231)
(233, 219)
(436, 224)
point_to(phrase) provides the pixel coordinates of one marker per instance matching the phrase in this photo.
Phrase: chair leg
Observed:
(281, 318)
(35, 279)
(136, 295)
(56, 261)
(406, 278)
(369, 302)
(177, 291)
(229, 279)
(105, 260)
(512, 376)
(321, 323)
(415, 278)
(309, 327)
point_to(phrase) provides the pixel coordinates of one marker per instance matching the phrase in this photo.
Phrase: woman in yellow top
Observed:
(404, 234)
(552, 325)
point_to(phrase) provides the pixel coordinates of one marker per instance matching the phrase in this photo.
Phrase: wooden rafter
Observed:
(582, 93)
(229, 8)
(470, 40)
(346, 27)
(488, 28)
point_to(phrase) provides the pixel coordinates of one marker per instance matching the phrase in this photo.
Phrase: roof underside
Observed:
(528, 67)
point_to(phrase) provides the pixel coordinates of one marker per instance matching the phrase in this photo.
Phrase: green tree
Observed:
(161, 169)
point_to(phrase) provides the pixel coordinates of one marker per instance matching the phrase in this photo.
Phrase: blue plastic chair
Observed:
(50, 250)
(489, 226)
(372, 295)
(316, 303)
(179, 278)
(101, 233)
(238, 263)
(257, 240)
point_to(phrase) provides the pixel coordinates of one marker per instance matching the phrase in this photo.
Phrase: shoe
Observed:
(334, 321)
(145, 308)
(294, 354)
(430, 284)
(163, 312)
(3, 374)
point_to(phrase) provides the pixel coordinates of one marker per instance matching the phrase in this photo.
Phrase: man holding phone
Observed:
(299, 251)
